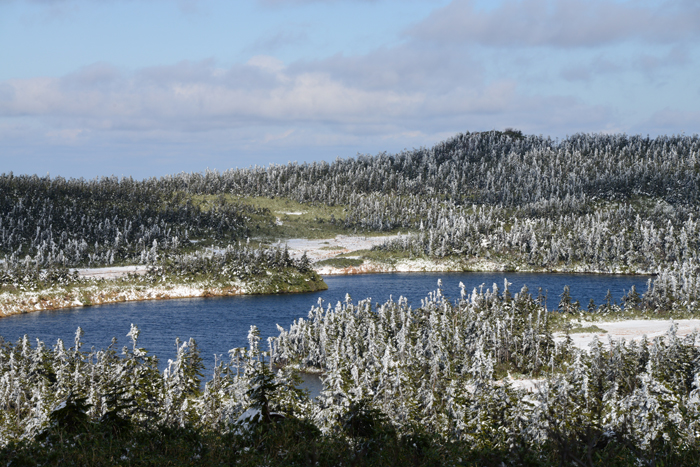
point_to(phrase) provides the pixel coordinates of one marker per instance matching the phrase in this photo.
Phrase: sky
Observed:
(148, 88)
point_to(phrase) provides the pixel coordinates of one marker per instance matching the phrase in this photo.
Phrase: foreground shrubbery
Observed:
(289, 443)
(430, 386)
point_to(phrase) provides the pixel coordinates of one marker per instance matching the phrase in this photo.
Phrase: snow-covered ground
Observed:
(111, 272)
(633, 329)
(317, 250)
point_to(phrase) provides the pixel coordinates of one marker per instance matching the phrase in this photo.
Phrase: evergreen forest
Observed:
(491, 378)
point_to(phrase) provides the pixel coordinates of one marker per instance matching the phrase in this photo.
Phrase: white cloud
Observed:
(561, 23)
(198, 96)
(385, 92)
(266, 111)
(266, 63)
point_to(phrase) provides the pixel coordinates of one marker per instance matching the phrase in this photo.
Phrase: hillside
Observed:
(478, 201)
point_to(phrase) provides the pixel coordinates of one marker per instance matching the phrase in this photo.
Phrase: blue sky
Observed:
(152, 87)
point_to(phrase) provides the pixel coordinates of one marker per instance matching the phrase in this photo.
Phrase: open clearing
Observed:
(318, 250)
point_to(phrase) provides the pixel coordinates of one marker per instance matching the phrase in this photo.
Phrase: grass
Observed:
(315, 221)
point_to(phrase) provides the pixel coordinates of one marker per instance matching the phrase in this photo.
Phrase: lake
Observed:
(219, 324)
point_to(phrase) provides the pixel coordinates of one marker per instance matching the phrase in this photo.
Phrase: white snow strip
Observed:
(633, 329)
(111, 272)
(318, 250)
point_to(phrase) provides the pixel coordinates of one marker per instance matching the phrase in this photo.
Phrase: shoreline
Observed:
(354, 247)
(106, 285)
(423, 265)
(110, 291)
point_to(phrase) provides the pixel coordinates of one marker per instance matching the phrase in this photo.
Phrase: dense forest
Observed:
(585, 181)
(588, 203)
(492, 378)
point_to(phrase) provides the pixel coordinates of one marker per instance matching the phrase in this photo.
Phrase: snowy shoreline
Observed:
(324, 249)
(423, 265)
(316, 250)
(110, 291)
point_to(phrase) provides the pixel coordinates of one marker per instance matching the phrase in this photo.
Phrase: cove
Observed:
(219, 324)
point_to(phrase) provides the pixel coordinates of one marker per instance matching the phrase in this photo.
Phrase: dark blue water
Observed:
(221, 323)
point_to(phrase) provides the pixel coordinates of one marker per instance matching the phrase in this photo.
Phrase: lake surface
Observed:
(221, 323)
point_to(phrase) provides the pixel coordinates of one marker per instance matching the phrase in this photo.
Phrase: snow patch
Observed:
(632, 329)
(111, 272)
(318, 250)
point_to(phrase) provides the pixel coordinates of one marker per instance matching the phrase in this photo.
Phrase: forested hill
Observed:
(80, 221)
(431, 385)
(484, 168)
(504, 168)
(591, 202)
